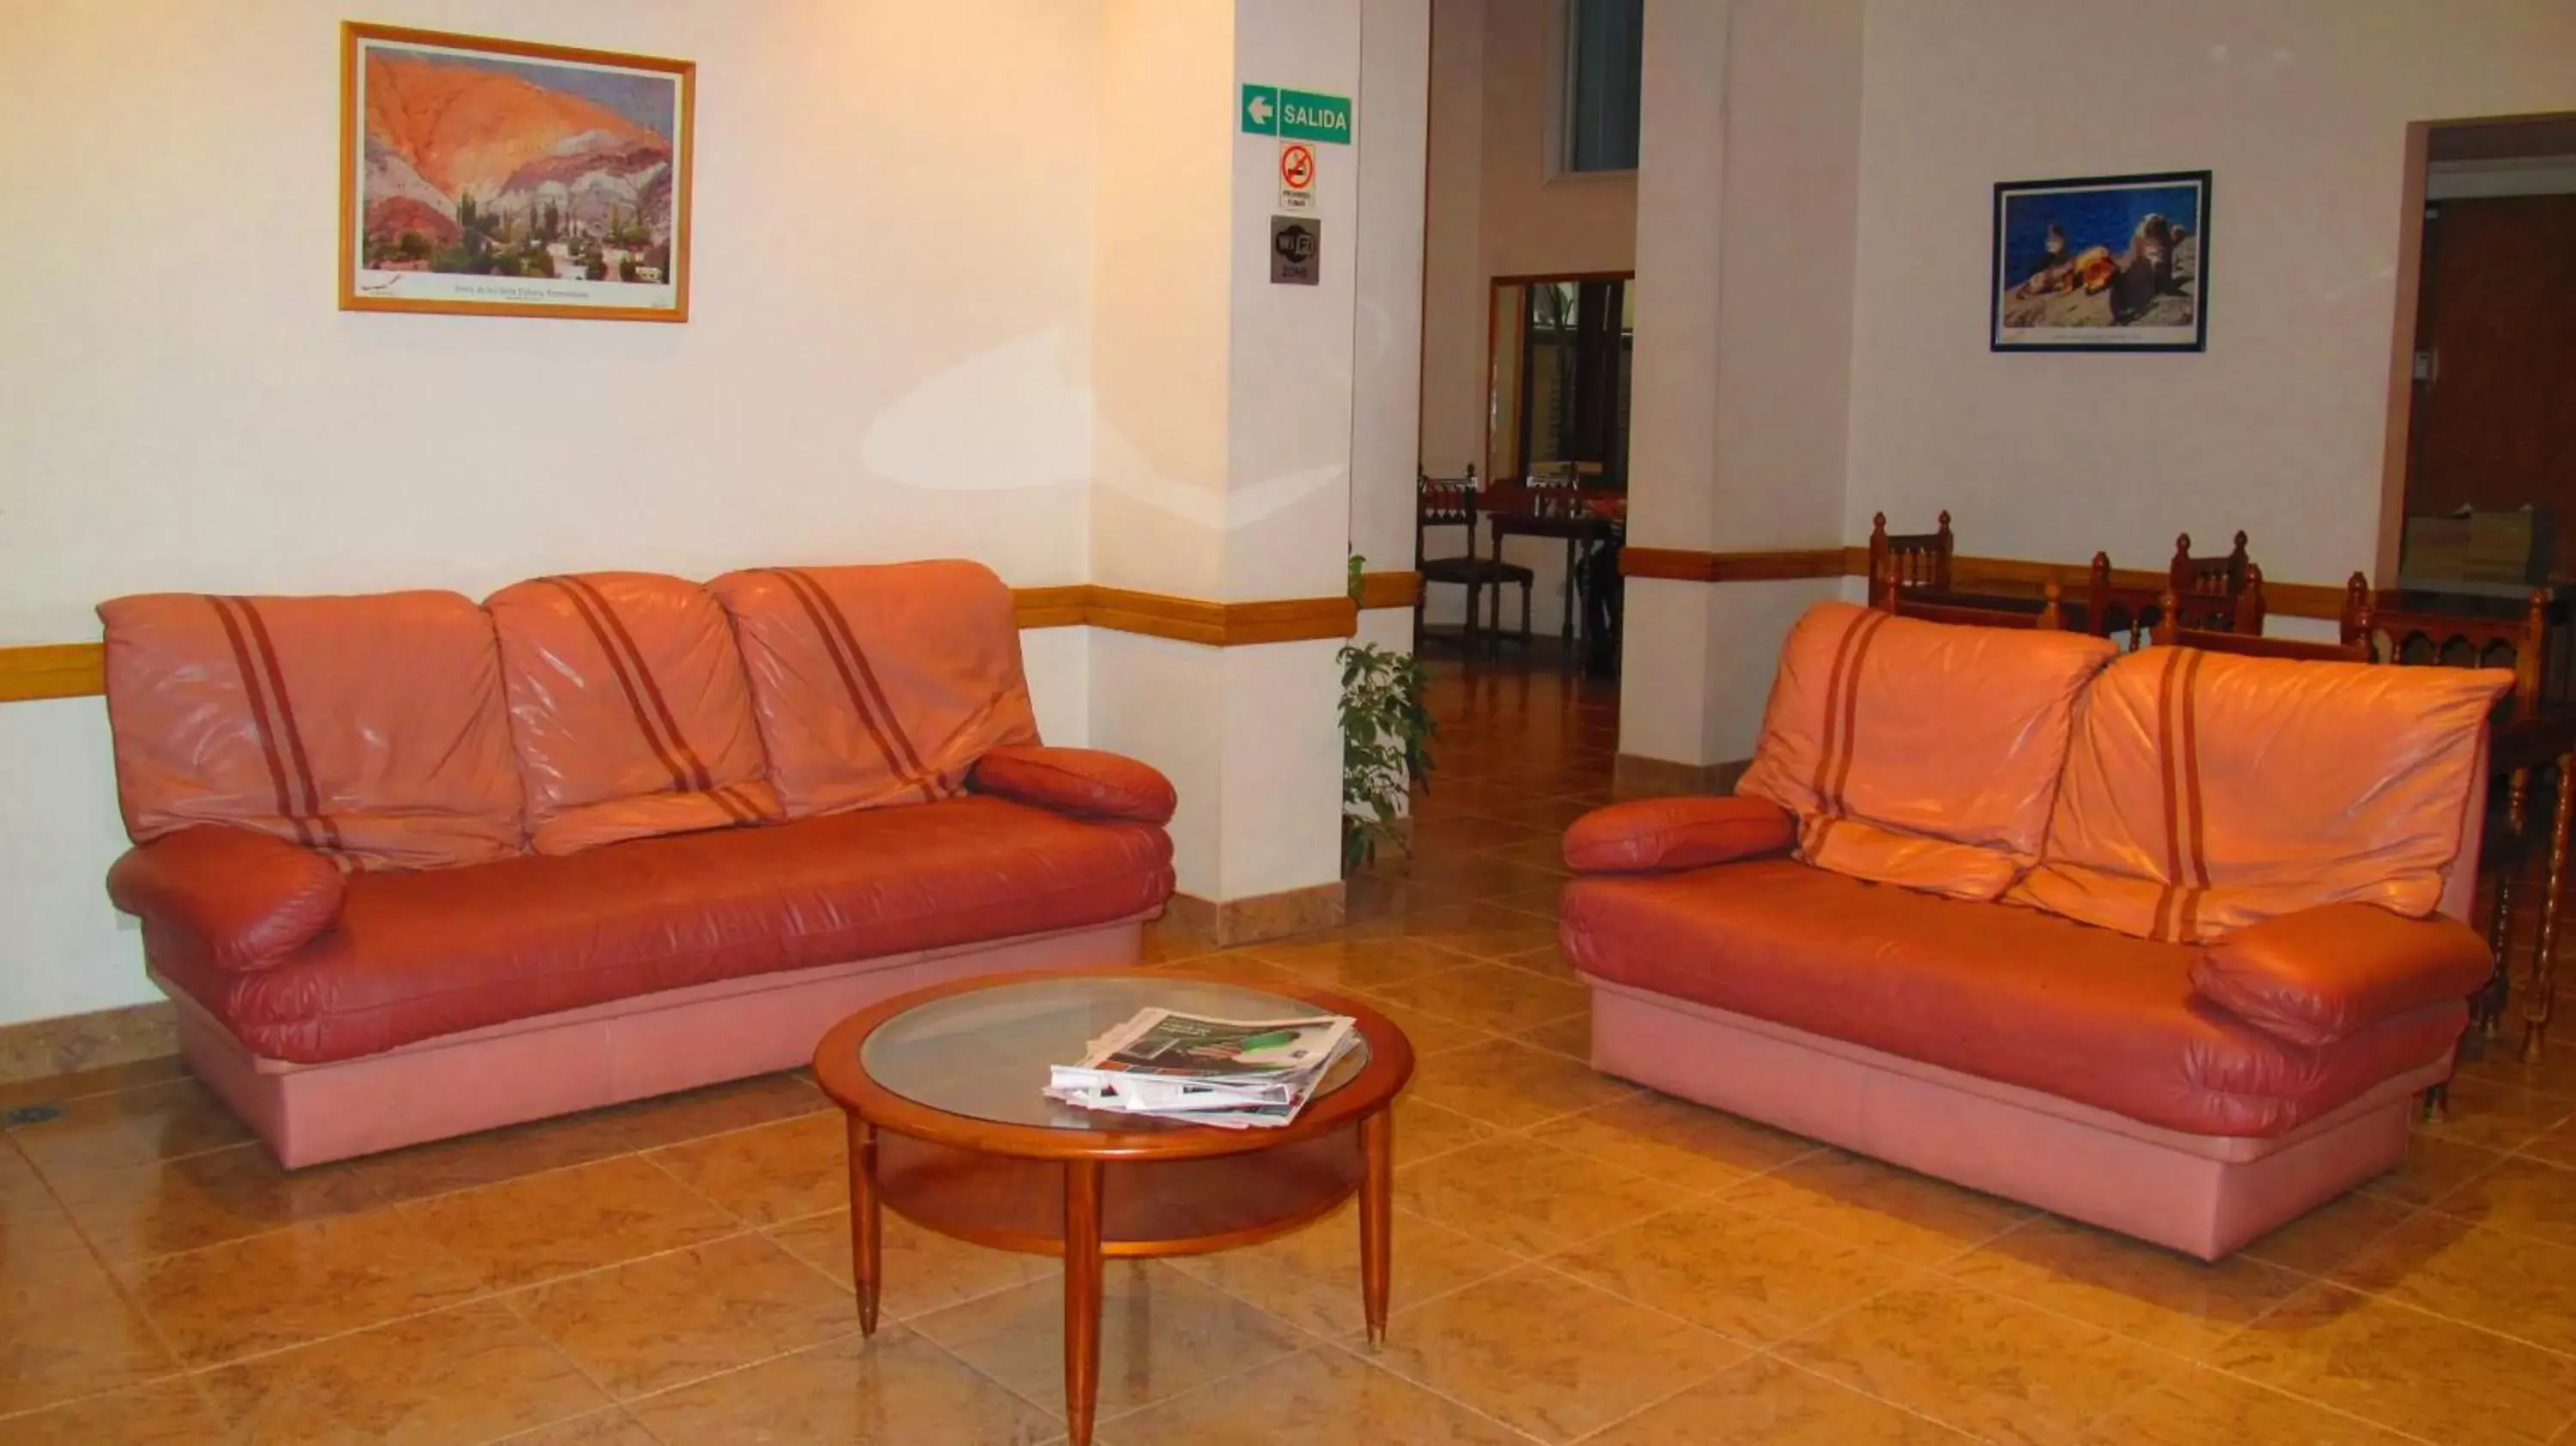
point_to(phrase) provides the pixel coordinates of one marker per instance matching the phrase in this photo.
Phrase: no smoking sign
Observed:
(1296, 176)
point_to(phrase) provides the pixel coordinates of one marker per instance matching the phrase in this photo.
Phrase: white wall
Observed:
(2300, 108)
(1498, 208)
(888, 355)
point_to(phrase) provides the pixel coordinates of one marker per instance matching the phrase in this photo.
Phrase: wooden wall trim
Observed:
(1970, 574)
(1390, 589)
(52, 670)
(79, 670)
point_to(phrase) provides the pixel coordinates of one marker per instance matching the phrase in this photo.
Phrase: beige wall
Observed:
(1496, 209)
(2300, 107)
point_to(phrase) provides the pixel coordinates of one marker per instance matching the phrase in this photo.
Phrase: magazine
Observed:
(1236, 1073)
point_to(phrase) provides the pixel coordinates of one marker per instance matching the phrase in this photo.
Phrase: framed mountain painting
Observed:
(2102, 263)
(500, 178)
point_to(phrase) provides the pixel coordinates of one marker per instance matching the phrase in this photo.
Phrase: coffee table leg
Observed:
(866, 1226)
(1377, 1186)
(1081, 1297)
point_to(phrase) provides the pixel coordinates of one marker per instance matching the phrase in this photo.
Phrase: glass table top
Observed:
(984, 1054)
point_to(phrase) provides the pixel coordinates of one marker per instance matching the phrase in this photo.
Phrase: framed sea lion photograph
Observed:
(2102, 263)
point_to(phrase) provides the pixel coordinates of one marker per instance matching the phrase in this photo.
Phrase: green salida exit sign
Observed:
(1296, 115)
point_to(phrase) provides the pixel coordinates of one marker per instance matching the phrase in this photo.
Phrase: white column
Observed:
(1386, 366)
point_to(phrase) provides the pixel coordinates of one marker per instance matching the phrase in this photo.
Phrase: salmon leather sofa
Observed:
(2165, 942)
(411, 867)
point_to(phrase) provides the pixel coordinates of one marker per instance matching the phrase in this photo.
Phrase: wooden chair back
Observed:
(1890, 595)
(2207, 587)
(2391, 634)
(1911, 559)
(2112, 609)
(2172, 631)
(1443, 502)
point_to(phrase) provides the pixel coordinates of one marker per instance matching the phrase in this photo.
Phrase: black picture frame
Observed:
(2081, 264)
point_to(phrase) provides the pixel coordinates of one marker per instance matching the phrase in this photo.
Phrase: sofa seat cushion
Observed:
(1920, 753)
(418, 955)
(1993, 990)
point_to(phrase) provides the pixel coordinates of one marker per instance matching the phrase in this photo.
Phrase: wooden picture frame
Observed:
(2100, 263)
(488, 177)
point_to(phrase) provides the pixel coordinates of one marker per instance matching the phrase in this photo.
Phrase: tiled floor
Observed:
(1575, 1259)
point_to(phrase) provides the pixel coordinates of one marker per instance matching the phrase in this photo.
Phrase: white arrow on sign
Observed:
(1260, 108)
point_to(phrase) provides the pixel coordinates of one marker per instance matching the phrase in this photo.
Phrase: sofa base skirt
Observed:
(2204, 1195)
(581, 1059)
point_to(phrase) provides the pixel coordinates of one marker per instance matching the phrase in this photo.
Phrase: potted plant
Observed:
(1386, 743)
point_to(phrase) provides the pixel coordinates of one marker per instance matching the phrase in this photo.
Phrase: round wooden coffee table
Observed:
(949, 1128)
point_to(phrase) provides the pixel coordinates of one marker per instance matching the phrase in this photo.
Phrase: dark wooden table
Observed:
(1582, 530)
(949, 1128)
(2516, 749)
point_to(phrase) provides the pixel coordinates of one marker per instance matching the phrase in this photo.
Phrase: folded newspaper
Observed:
(1235, 1073)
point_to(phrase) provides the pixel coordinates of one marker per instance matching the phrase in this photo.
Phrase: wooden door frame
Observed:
(2398, 443)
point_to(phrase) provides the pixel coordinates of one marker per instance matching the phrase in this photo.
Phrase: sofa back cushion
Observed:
(2207, 791)
(369, 728)
(627, 708)
(1918, 753)
(878, 685)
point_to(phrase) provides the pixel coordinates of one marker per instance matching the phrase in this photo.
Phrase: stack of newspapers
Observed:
(1234, 1073)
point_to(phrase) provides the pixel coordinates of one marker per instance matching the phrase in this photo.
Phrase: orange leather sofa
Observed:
(2165, 942)
(411, 867)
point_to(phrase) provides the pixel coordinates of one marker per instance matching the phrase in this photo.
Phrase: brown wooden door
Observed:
(2495, 425)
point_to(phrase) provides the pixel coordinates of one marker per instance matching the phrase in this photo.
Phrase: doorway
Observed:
(1558, 373)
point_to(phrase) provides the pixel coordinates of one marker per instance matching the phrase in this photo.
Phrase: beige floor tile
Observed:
(1991, 1367)
(538, 1227)
(105, 1079)
(71, 1336)
(1570, 1036)
(1317, 1395)
(470, 1374)
(37, 1240)
(2388, 1363)
(1549, 1355)
(2324, 1238)
(2509, 1284)
(1526, 1197)
(1161, 1333)
(2434, 1167)
(166, 1413)
(2497, 1115)
(2557, 1146)
(287, 1287)
(163, 1206)
(1766, 1402)
(659, 1322)
(1912, 1218)
(1491, 997)
(2205, 1408)
(1365, 966)
(2142, 1291)
(1481, 930)
(1512, 1085)
(1549, 959)
(1311, 1277)
(131, 1127)
(506, 1154)
(1429, 1034)
(924, 1270)
(1423, 1130)
(770, 1173)
(600, 1428)
(897, 1388)
(1545, 853)
(1754, 1279)
(1690, 1146)
(2525, 1196)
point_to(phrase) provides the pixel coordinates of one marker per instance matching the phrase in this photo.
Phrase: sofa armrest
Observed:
(245, 899)
(1665, 835)
(1086, 782)
(2319, 975)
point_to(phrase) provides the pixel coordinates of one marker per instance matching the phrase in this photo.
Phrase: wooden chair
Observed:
(2208, 588)
(2172, 631)
(2112, 609)
(1910, 559)
(2414, 638)
(1452, 502)
(1890, 594)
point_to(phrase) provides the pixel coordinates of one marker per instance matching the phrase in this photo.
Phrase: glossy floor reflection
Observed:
(1576, 1260)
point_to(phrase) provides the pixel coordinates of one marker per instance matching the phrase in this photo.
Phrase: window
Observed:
(1604, 48)
(1561, 377)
